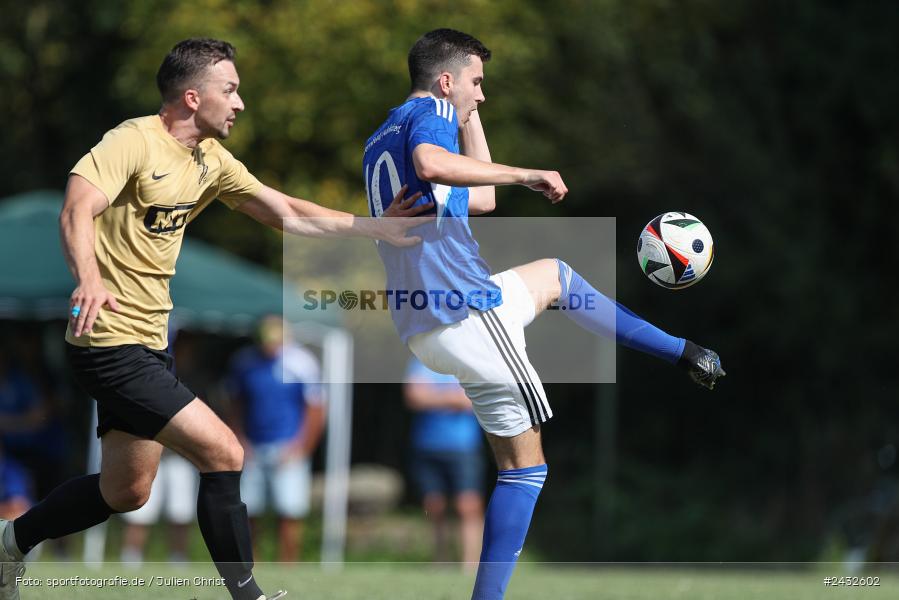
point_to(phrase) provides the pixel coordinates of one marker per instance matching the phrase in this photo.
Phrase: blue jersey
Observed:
(19, 395)
(440, 430)
(14, 481)
(274, 411)
(433, 283)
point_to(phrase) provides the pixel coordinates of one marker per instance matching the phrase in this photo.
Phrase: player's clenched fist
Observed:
(549, 183)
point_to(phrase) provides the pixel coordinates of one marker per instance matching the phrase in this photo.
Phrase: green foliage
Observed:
(773, 122)
(317, 77)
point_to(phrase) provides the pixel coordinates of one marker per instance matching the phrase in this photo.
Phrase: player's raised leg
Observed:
(522, 472)
(200, 436)
(553, 280)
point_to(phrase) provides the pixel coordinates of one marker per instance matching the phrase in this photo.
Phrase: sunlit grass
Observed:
(421, 581)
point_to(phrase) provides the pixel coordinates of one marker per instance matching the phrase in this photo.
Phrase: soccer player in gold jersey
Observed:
(127, 203)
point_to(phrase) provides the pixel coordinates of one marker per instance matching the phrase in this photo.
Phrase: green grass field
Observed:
(417, 581)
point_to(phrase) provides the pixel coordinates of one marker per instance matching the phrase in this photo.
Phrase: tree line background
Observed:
(774, 122)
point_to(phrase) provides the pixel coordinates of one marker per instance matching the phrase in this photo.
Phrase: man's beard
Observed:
(208, 130)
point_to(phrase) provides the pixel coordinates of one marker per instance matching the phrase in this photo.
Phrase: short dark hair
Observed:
(442, 50)
(187, 61)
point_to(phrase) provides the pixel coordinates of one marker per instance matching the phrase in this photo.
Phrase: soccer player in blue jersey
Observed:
(456, 317)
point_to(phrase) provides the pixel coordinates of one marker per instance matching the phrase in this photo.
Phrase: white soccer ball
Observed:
(675, 250)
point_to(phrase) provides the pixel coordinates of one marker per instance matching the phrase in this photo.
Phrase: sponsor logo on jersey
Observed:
(167, 219)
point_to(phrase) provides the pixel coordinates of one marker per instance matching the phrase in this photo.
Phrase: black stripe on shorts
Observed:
(520, 378)
(539, 400)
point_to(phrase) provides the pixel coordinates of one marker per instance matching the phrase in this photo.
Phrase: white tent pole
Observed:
(337, 348)
(338, 369)
(95, 537)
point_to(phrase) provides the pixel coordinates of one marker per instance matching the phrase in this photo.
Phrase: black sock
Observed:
(74, 506)
(226, 530)
(690, 355)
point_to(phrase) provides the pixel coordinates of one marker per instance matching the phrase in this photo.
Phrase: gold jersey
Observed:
(155, 186)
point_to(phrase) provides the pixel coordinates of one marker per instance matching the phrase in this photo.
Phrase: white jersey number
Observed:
(373, 185)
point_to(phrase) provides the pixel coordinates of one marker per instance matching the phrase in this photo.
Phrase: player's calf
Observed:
(505, 528)
(595, 312)
(225, 527)
(599, 314)
(73, 506)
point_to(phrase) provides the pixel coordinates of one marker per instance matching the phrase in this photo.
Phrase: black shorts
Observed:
(134, 386)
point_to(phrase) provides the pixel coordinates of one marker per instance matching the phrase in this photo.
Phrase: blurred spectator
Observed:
(30, 428)
(31, 431)
(278, 414)
(446, 460)
(15, 496)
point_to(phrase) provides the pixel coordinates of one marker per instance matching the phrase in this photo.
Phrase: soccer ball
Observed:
(675, 250)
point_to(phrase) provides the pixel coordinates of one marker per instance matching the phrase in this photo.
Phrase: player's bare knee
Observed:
(228, 456)
(542, 278)
(235, 456)
(126, 497)
(550, 265)
(549, 277)
(225, 454)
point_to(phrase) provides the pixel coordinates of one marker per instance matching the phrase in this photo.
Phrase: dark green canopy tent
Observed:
(212, 290)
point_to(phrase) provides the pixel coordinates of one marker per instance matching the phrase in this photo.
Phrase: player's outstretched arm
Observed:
(83, 202)
(438, 165)
(302, 217)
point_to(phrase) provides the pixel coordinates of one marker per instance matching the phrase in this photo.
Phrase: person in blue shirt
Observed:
(279, 418)
(15, 486)
(445, 457)
(453, 314)
(32, 431)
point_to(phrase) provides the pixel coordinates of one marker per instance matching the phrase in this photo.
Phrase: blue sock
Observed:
(505, 527)
(597, 313)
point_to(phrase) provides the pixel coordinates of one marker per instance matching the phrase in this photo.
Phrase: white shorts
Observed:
(486, 353)
(265, 476)
(174, 491)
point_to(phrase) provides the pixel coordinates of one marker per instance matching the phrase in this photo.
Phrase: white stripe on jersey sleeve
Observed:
(452, 111)
(436, 105)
